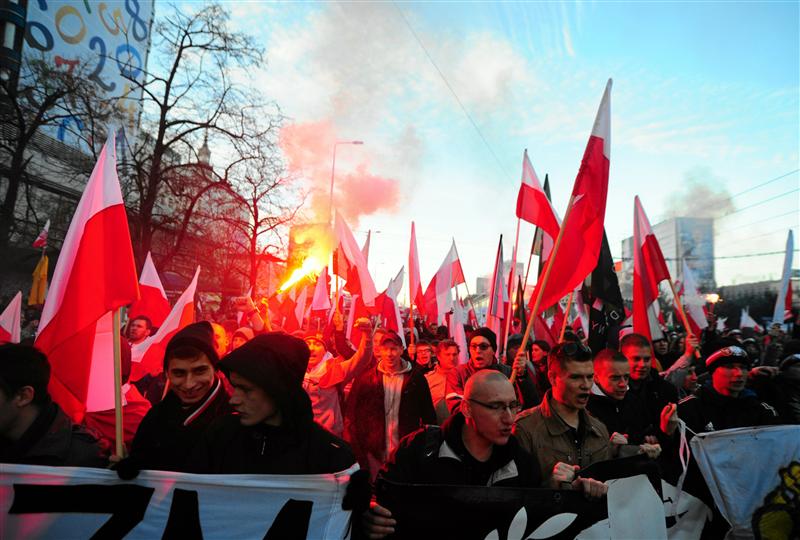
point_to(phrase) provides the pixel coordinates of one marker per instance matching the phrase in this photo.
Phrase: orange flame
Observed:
(311, 267)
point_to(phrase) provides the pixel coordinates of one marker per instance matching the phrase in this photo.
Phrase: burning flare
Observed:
(311, 267)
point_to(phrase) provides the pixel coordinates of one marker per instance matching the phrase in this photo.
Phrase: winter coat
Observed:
(622, 416)
(709, 410)
(544, 434)
(169, 432)
(365, 416)
(434, 455)
(53, 439)
(652, 395)
(227, 447)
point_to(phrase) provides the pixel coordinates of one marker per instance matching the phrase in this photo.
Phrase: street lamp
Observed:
(333, 168)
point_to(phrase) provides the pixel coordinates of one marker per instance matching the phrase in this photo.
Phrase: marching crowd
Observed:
(234, 400)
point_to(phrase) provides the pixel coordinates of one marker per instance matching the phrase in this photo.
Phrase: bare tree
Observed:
(188, 94)
(48, 97)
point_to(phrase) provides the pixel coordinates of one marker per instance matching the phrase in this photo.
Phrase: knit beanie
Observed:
(199, 335)
(487, 333)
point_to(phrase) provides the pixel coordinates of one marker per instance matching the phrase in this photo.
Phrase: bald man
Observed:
(474, 447)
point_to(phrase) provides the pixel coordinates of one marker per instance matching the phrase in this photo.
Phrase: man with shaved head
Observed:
(474, 447)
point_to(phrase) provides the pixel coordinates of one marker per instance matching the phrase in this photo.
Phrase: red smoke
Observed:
(357, 191)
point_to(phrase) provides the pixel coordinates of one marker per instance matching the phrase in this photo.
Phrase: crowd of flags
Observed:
(96, 275)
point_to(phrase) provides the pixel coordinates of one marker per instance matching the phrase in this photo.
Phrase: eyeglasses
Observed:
(481, 346)
(498, 406)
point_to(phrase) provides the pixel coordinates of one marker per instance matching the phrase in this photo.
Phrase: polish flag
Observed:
(438, 296)
(533, 205)
(649, 269)
(414, 281)
(583, 228)
(41, 240)
(365, 247)
(693, 302)
(148, 356)
(746, 321)
(322, 297)
(152, 302)
(456, 327)
(783, 303)
(498, 294)
(95, 274)
(11, 321)
(350, 264)
(390, 311)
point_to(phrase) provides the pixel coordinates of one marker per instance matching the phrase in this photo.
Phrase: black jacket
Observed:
(434, 455)
(169, 432)
(53, 439)
(652, 395)
(227, 447)
(622, 416)
(709, 410)
(365, 415)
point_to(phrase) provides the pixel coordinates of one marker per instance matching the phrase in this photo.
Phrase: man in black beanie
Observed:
(195, 397)
(273, 429)
(482, 345)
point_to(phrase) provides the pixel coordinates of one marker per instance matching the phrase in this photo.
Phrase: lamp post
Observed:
(333, 169)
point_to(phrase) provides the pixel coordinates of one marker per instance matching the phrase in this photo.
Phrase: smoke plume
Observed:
(702, 195)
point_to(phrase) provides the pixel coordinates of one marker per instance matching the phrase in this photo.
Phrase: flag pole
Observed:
(528, 268)
(682, 313)
(118, 432)
(511, 280)
(545, 279)
(411, 319)
(469, 295)
(566, 317)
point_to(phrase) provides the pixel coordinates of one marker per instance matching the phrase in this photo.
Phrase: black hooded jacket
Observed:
(169, 432)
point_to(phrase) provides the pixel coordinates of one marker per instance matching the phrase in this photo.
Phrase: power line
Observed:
(757, 222)
(759, 203)
(715, 258)
(764, 183)
(452, 91)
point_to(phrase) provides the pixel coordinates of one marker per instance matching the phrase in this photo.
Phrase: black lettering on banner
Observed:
(138, 25)
(184, 516)
(126, 504)
(292, 521)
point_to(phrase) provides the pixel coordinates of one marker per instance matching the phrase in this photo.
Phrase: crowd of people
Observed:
(243, 398)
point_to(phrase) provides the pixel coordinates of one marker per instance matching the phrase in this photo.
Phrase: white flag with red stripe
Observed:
(414, 281)
(148, 356)
(438, 296)
(349, 263)
(322, 296)
(152, 302)
(533, 205)
(41, 240)
(746, 321)
(498, 294)
(781, 305)
(95, 274)
(11, 321)
(693, 302)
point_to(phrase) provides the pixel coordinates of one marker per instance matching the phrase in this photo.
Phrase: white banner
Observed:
(71, 502)
(753, 475)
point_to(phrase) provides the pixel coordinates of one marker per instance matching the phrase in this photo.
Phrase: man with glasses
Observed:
(559, 432)
(422, 354)
(482, 348)
(474, 447)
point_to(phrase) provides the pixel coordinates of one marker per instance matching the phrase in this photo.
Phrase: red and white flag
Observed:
(414, 281)
(498, 294)
(783, 303)
(746, 321)
(693, 302)
(390, 311)
(583, 230)
(533, 205)
(456, 327)
(438, 295)
(95, 274)
(649, 269)
(11, 321)
(152, 301)
(321, 302)
(41, 240)
(365, 247)
(148, 356)
(350, 264)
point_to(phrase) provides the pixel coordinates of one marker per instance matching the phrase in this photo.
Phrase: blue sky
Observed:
(703, 91)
